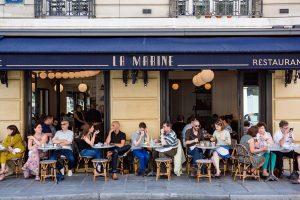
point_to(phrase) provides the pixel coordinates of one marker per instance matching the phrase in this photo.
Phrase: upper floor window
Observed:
(64, 8)
(219, 7)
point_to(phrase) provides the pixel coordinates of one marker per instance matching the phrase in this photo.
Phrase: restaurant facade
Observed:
(157, 63)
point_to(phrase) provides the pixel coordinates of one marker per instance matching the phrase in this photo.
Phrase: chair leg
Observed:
(209, 172)
(78, 163)
(188, 167)
(157, 170)
(169, 170)
(86, 165)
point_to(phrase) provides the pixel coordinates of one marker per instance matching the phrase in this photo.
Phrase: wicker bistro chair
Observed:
(121, 161)
(163, 161)
(135, 164)
(104, 164)
(65, 162)
(18, 162)
(290, 163)
(86, 159)
(48, 169)
(234, 162)
(244, 163)
(206, 162)
(189, 160)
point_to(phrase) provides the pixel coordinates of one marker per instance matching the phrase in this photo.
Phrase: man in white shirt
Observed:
(285, 137)
(64, 138)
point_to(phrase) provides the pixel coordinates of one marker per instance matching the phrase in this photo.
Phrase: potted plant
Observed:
(208, 14)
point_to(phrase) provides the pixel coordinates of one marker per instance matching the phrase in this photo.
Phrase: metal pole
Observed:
(58, 99)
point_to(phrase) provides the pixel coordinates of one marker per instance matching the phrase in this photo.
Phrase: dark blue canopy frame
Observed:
(185, 53)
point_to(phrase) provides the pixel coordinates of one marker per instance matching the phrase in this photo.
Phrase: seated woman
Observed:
(249, 143)
(15, 148)
(34, 142)
(223, 139)
(263, 140)
(87, 140)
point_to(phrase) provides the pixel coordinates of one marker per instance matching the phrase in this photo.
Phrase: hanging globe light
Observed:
(175, 86)
(51, 75)
(82, 74)
(61, 88)
(77, 74)
(207, 75)
(197, 81)
(58, 75)
(43, 75)
(207, 86)
(82, 87)
(71, 74)
(65, 75)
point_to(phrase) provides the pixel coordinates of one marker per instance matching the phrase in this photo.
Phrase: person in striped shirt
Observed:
(169, 141)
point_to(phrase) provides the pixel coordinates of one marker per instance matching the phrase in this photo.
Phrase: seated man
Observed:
(169, 141)
(64, 138)
(285, 137)
(194, 136)
(46, 126)
(118, 138)
(138, 138)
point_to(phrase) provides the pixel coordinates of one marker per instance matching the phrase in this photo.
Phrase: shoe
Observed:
(114, 176)
(296, 181)
(2, 176)
(70, 173)
(26, 173)
(62, 171)
(37, 178)
(3, 172)
(141, 173)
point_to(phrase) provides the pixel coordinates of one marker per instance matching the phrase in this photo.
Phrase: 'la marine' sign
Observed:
(143, 61)
(149, 61)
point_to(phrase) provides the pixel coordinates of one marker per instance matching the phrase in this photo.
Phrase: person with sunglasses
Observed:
(194, 136)
(64, 138)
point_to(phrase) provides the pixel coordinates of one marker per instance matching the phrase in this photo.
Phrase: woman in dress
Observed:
(263, 140)
(15, 148)
(87, 140)
(249, 142)
(31, 167)
(223, 139)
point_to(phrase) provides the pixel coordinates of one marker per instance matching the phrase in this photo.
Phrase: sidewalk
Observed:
(80, 186)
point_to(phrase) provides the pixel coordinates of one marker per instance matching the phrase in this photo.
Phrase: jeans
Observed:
(66, 152)
(116, 152)
(95, 153)
(272, 161)
(196, 153)
(143, 156)
(291, 154)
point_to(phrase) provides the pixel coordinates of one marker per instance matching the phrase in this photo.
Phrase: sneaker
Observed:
(62, 171)
(70, 173)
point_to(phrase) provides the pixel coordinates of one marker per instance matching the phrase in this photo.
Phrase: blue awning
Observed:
(187, 53)
(151, 45)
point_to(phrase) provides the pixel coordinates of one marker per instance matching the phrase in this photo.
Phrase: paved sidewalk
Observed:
(80, 186)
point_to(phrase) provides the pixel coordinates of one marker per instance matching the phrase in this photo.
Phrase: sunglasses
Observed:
(64, 124)
(196, 125)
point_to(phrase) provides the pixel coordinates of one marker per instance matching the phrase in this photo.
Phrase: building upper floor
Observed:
(149, 8)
